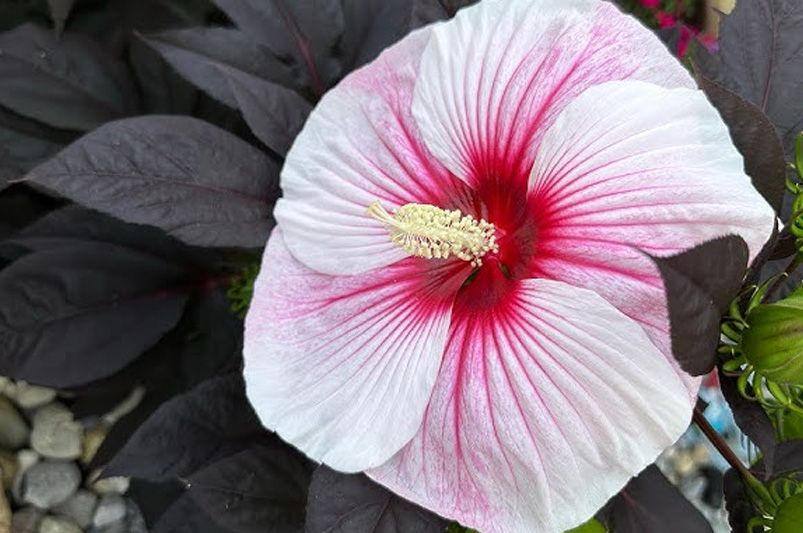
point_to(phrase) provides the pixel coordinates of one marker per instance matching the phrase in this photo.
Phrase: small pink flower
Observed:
(665, 20)
(511, 370)
(709, 41)
(651, 4)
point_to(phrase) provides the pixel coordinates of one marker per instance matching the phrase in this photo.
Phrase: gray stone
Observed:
(111, 509)
(30, 396)
(126, 406)
(53, 524)
(134, 521)
(7, 387)
(25, 459)
(117, 527)
(80, 507)
(108, 485)
(50, 483)
(9, 467)
(14, 429)
(93, 438)
(26, 520)
(5, 512)
(55, 434)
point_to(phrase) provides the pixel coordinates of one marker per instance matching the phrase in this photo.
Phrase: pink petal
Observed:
(631, 167)
(342, 366)
(359, 145)
(542, 411)
(494, 78)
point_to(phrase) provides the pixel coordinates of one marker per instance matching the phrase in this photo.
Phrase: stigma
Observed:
(424, 230)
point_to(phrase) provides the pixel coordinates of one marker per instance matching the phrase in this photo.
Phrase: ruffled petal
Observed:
(494, 78)
(542, 411)
(628, 168)
(342, 367)
(359, 145)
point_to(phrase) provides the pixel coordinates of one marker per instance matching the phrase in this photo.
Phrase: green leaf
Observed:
(790, 425)
(789, 517)
(773, 342)
(592, 526)
(799, 154)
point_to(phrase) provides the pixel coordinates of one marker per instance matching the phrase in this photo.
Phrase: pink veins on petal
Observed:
(457, 299)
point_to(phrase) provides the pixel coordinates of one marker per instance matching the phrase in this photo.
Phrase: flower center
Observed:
(423, 230)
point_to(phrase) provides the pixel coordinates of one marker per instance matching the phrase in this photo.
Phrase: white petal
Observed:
(630, 167)
(342, 366)
(541, 413)
(494, 78)
(360, 144)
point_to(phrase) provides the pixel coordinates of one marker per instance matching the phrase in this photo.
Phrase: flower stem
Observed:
(718, 442)
(755, 487)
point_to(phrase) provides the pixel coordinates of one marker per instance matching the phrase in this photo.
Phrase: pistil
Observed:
(424, 230)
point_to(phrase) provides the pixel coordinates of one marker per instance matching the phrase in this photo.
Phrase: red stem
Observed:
(719, 443)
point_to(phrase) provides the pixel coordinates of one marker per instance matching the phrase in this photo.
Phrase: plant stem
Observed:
(718, 442)
(755, 486)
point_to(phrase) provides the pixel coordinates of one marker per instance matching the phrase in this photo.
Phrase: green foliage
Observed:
(592, 526)
(789, 425)
(773, 339)
(795, 186)
(789, 518)
(241, 290)
(783, 512)
(454, 527)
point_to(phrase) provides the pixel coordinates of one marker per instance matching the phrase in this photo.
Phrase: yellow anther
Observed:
(424, 230)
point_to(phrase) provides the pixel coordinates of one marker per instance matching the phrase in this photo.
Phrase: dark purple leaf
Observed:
(69, 83)
(74, 224)
(153, 499)
(163, 90)
(786, 458)
(262, 489)
(785, 247)
(188, 431)
(73, 315)
(750, 417)
(755, 137)
(206, 343)
(427, 11)
(199, 53)
(21, 206)
(370, 27)
(650, 503)
(24, 143)
(792, 281)
(275, 114)
(760, 59)
(352, 503)
(197, 182)
(302, 33)
(373, 25)
(187, 516)
(59, 11)
(700, 284)
(737, 502)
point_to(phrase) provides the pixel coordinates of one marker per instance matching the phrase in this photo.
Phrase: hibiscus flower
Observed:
(458, 297)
